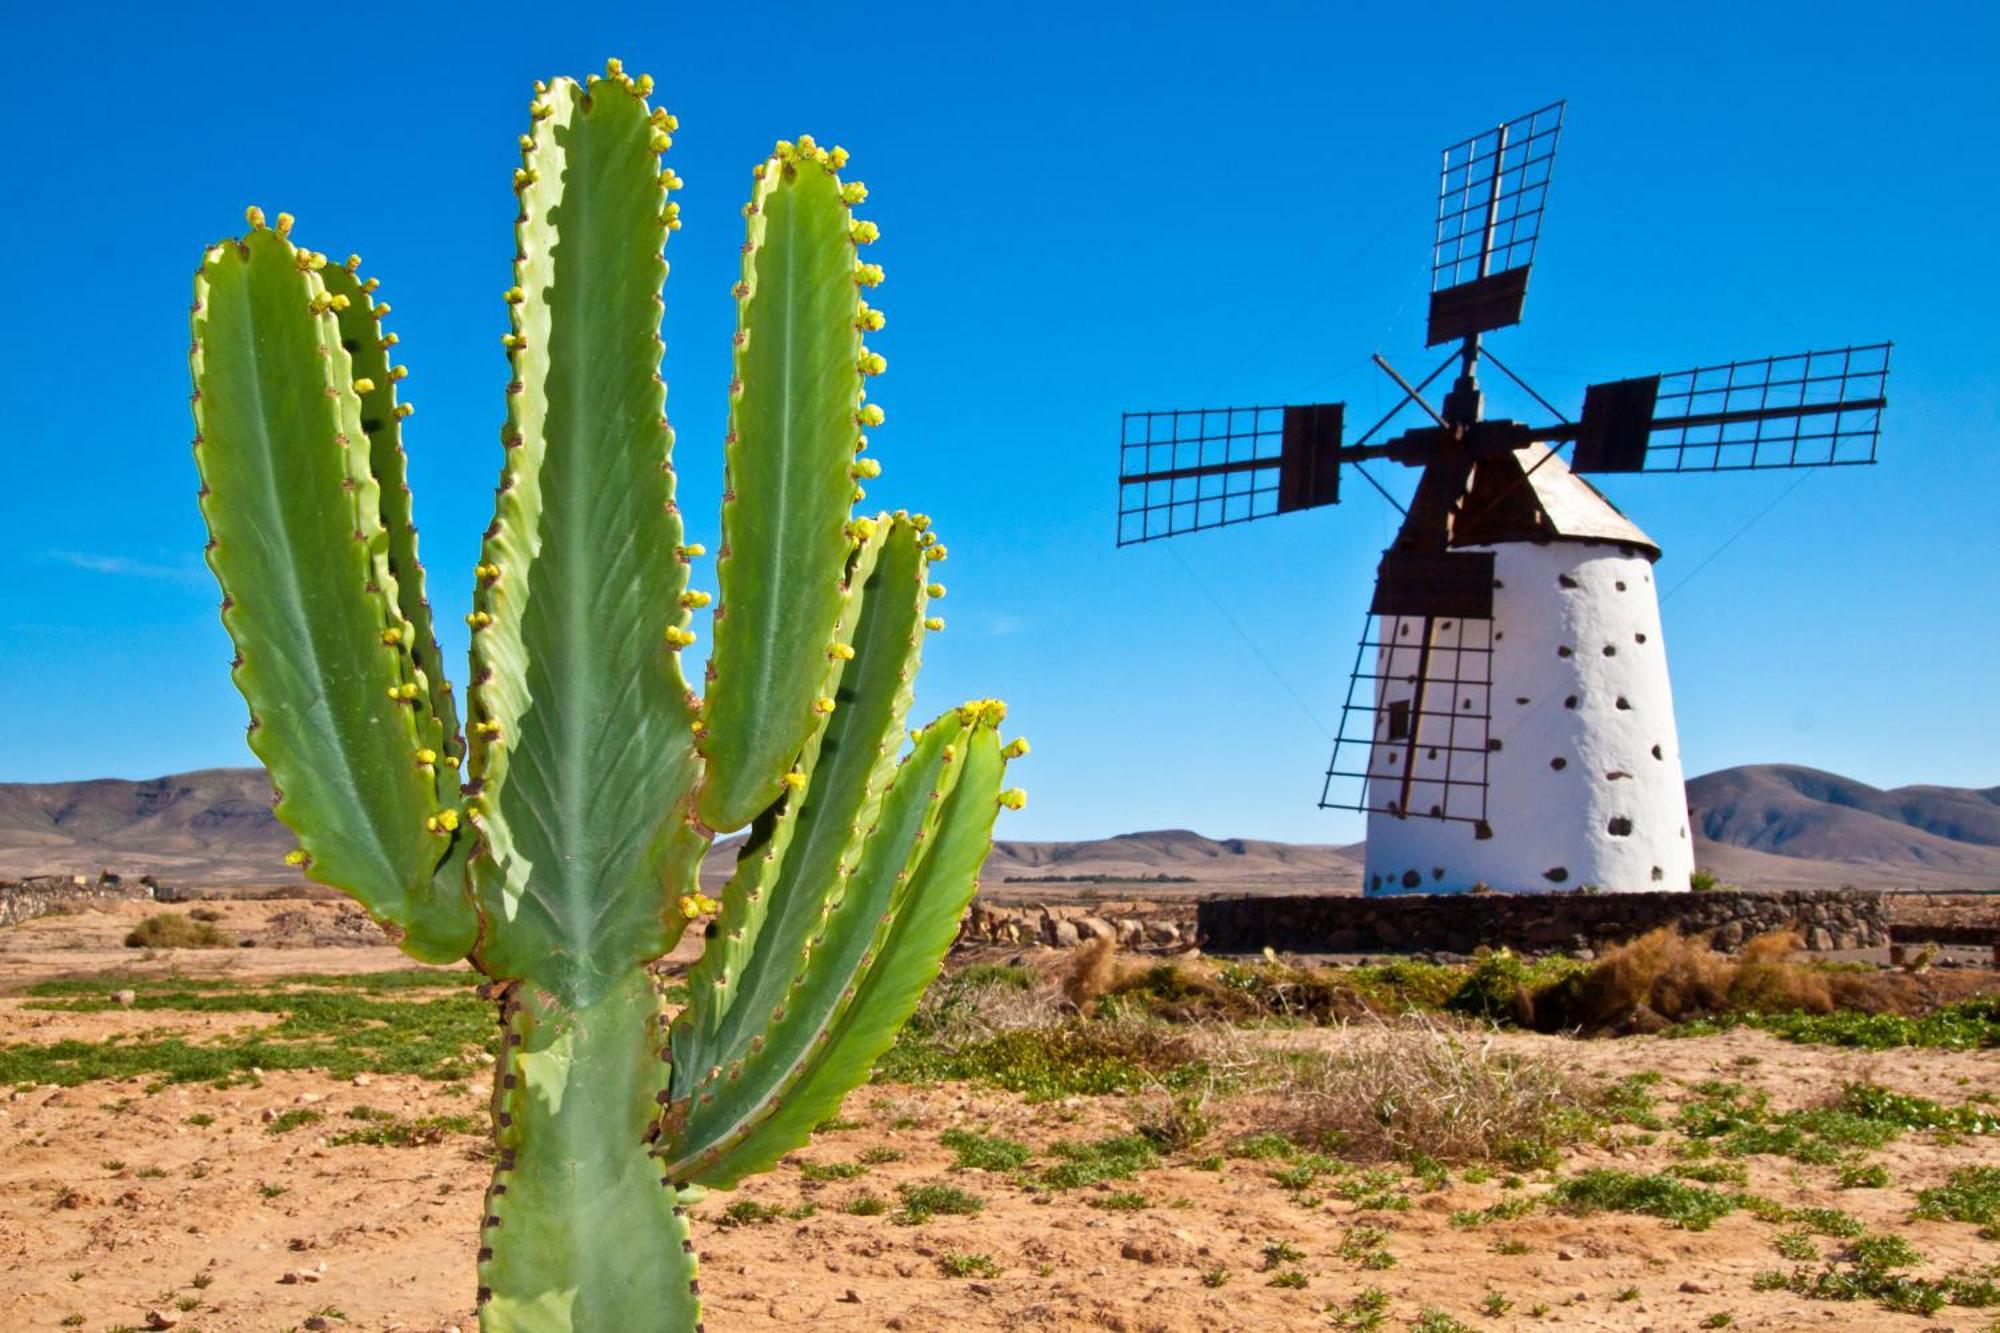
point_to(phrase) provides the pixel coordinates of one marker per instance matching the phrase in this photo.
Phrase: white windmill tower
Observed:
(1509, 724)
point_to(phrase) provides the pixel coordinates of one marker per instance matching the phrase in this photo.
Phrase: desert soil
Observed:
(112, 1204)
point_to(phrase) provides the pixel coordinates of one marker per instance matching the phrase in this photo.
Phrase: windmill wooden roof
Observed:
(1531, 495)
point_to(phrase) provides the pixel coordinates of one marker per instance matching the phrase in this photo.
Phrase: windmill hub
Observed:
(1509, 724)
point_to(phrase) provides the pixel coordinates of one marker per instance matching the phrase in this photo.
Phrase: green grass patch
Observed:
(959, 1263)
(980, 1152)
(382, 1130)
(1085, 1164)
(1966, 1025)
(1971, 1194)
(1040, 1064)
(923, 1202)
(1602, 1189)
(345, 1026)
(296, 1118)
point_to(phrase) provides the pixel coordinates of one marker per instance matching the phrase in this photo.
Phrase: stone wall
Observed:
(39, 895)
(1825, 919)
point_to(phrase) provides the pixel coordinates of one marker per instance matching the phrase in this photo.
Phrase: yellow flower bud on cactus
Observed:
(1013, 798)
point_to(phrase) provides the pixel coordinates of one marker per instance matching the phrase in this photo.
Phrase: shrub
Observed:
(166, 930)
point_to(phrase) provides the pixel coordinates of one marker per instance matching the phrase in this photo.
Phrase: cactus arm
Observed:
(580, 1234)
(368, 345)
(580, 727)
(338, 712)
(718, 1130)
(790, 466)
(770, 911)
(907, 950)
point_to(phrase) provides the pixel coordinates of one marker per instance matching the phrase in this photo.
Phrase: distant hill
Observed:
(1766, 824)
(1783, 824)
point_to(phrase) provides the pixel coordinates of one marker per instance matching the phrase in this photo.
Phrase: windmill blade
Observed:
(1490, 201)
(1187, 470)
(1812, 409)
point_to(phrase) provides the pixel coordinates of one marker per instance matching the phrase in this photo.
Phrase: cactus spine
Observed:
(557, 843)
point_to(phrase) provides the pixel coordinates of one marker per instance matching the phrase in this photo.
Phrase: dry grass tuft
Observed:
(165, 930)
(1395, 1090)
(1666, 977)
(1091, 972)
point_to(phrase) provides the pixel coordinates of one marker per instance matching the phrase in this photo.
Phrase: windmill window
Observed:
(1411, 879)
(1521, 699)
(1493, 743)
(1558, 763)
(1611, 650)
(1565, 580)
(1563, 650)
(1624, 704)
(1399, 719)
(1556, 874)
(1658, 874)
(1619, 827)
(1570, 702)
(1640, 637)
(1615, 774)
(1658, 753)
(1620, 585)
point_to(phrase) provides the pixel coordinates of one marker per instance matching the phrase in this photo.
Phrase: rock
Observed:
(1163, 932)
(1131, 930)
(1694, 1288)
(850, 1297)
(1095, 928)
(1064, 935)
(124, 999)
(314, 1323)
(161, 1319)
(295, 1276)
(362, 1080)
(1819, 939)
(1565, 1255)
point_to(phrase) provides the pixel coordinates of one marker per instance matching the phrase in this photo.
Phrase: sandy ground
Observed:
(112, 1205)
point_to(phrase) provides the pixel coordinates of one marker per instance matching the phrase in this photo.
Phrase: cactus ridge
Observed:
(557, 839)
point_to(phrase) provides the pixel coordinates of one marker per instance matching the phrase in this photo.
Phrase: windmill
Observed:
(1508, 722)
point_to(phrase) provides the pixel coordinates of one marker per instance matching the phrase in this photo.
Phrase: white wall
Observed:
(1585, 784)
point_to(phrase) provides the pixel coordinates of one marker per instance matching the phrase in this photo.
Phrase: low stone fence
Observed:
(1825, 919)
(1067, 926)
(39, 895)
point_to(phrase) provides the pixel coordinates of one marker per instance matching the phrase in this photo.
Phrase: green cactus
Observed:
(560, 850)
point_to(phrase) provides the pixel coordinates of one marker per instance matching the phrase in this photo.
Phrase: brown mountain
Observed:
(1781, 824)
(1766, 824)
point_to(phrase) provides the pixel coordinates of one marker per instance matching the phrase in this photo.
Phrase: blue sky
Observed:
(1084, 209)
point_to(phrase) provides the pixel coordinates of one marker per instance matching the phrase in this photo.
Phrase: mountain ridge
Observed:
(1771, 825)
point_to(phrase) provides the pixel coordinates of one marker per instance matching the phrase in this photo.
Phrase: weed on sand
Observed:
(343, 1025)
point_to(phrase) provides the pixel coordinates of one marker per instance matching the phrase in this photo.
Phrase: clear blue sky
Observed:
(1085, 208)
